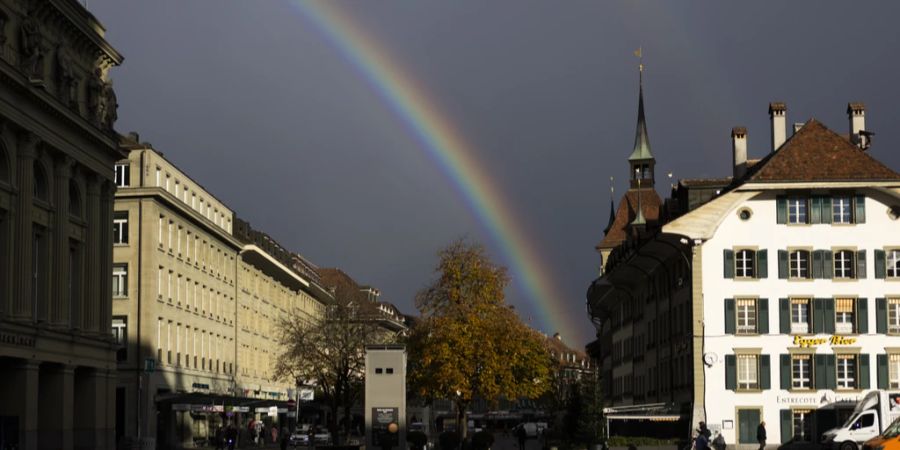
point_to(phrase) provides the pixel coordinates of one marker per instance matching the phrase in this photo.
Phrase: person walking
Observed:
(220, 438)
(522, 435)
(761, 435)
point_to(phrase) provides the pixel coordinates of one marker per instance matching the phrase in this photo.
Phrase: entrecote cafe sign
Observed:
(806, 342)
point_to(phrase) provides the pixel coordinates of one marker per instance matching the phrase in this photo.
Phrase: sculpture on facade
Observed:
(110, 106)
(32, 47)
(94, 96)
(67, 81)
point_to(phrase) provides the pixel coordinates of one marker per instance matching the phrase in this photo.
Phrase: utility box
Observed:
(385, 402)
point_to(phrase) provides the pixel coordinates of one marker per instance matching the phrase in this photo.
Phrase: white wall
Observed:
(762, 230)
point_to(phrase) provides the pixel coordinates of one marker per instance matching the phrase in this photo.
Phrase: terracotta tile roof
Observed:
(815, 153)
(650, 204)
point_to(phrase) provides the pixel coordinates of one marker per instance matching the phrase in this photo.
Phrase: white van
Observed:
(871, 416)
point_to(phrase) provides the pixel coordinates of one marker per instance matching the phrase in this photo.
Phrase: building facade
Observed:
(800, 262)
(57, 150)
(779, 283)
(197, 295)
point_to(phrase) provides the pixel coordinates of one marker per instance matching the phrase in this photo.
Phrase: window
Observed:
(802, 420)
(120, 280)
(120, 336)
(171, 225)
(746, 316)
(894, 371)
(799, 264)
(159, 323)
(801, 371)
(747, 372)
(893, 313)
(846, 371)
(841, 209)
(844, 315)
(798, 210)
(744, 263)
(800, 316)
(893, 263)
(843, 264)
(123, 175)
(120, 227)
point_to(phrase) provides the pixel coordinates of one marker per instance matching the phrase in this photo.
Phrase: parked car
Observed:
(887, 440)
(531, 429)
(299, 439)
(322, 437)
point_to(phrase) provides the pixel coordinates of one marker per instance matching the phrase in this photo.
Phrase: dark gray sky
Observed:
(255, 104)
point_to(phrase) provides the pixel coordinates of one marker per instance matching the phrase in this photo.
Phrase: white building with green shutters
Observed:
(796, 284)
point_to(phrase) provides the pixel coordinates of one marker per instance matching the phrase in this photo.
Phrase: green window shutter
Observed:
(860, 209)
(762, 322)
(831, 370)
(882, 362)
(864, 378)
(730, 372)
(861, 264)
(784, 316)
(787, 426)
(728, 263)
(784, 370)
(765, 372)
(829, 315)
(818, 259)
(881, 315)
(827, 264)
(782, 264)
(729, 316)
(880, 264)
(762, 264)
(815, 210)
(826, 210)
(818, 315)
(781, 210)
(820, 372)
(862, 315)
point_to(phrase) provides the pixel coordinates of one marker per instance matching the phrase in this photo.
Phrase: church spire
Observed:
(612, 207)
(641, 162)
(641, 139)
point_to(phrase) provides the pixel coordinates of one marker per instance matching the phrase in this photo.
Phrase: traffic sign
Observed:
(306, 394)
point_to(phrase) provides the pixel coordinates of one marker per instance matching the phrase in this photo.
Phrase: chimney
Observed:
(856, 112)
(779, 123)
(739, 151)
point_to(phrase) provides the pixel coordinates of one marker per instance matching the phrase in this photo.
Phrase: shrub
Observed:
(417, 440)
(482, 440)
(449, 440)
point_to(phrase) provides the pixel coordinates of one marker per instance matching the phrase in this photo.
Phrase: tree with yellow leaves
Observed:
(470, 344)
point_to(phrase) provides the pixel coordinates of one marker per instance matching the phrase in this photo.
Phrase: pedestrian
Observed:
(274, 432)
(704, 430)
(522, 435)
(231, 437)
(719, 442)
(761, 435)
(701, 442)
(219, 438)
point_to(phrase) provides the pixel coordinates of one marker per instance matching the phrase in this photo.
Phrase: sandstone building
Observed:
(57, 150)
(197, 296)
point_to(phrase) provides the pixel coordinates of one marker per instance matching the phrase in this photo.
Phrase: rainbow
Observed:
(444, 144)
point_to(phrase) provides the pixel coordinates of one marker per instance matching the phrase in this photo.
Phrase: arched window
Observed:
(74, 199)
(40, 182)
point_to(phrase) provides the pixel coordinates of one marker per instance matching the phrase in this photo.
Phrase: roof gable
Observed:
(815, 153)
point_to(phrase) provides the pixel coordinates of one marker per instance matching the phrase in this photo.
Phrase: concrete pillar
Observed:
(94, 409)
(93, 249)
(59, 303)
(25, 156)
(107, 193)
(55, 399)
(25, 396)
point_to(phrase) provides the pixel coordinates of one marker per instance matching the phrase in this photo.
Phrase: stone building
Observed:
(57, 150)
(197, 295)
(765, 296)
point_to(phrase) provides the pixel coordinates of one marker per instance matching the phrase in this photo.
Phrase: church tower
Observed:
(641, 160)
(639, 207)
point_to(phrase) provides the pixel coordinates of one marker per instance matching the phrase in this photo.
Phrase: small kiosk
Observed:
(385, 401)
